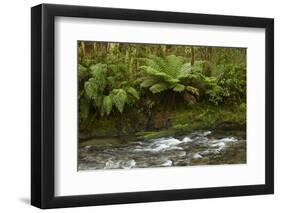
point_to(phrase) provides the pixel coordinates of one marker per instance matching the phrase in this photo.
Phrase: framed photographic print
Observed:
(139, 106)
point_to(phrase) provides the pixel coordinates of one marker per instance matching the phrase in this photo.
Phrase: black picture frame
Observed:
(43, 102)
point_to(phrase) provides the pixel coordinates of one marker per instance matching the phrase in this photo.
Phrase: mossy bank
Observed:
(171, 122)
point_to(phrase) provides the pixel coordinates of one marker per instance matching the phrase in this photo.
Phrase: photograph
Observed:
(133, 105)
(160, 105)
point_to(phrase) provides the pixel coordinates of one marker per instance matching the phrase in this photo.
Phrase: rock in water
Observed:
(196, 156)
(167, 163)
(129, 164)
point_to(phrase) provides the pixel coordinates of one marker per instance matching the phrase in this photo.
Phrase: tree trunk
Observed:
(192, 56)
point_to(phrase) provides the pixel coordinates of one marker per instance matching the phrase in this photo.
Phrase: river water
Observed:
(198, 148)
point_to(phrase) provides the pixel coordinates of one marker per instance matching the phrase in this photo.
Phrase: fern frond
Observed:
(157, 74)
(174, 64)
(192, 90)
(148, 82)
(185, 70)
(179, 88)
(132, 91)
(159, 87)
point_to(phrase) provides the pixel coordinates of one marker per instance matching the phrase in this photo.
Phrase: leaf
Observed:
(111, 81)
(107, 104)
(133, 92)
(155, 62)
(162, 70)
(119, 98)
(99, 75)
(82, 71)
(179, 88)
(99, 101)
(192, 90)
(163, 73)
(174, 64)
(93, 92)
(185, 70)
(148, 82)
(89, 89)
(159, 87)
(156, 74)
(87, 62)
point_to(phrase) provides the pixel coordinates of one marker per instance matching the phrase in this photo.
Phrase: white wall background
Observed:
(15, 105)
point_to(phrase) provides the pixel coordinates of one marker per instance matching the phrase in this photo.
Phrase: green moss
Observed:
(104, 127)
(206, 116)
(183, 120)
(200, 117)
(116, 125)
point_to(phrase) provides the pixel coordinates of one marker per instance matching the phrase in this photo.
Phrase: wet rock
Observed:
(129, 164)
(228, 126)
(182, 163)
(196, 156)
(167, 163)
(198, 148)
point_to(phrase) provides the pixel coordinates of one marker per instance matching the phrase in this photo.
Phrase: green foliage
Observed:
(132, 91)
(82, 71)
(99, 73)
(215, 94)
(119, 98)
(107, 104)
(163, 69)
(167, 74)
(84, 109)
(91, 88)
(101, 89)
(179, 88)
(147, 82)
(192, 90)
(232, 79)
(229, 86)
(158, 87)
(119, 78)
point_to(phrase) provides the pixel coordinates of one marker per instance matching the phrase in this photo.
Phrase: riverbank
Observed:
(183, 120)
(218, 119)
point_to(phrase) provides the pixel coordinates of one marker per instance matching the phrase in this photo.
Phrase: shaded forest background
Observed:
(152, 90)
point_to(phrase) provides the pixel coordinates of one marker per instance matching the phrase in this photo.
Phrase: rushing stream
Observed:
(198, 148)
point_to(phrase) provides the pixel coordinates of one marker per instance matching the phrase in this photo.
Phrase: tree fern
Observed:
(192, 90)
(171, 73)
(174, 64)
(166, 73)
(132, 91)
(147, 82)
(159, 87)
(179, 88)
